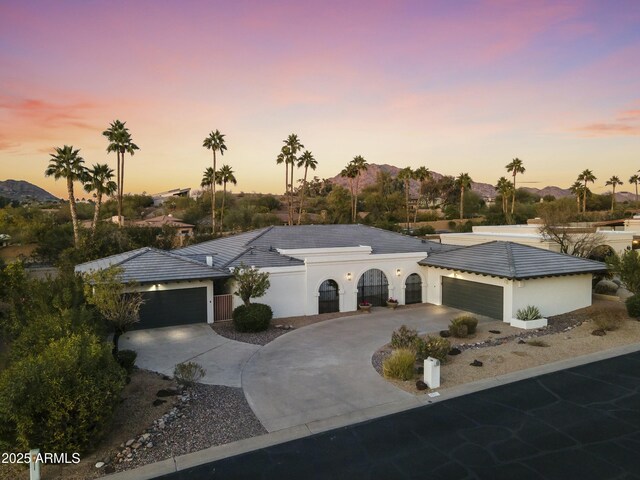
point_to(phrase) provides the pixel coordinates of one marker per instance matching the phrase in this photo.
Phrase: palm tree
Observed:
(422, 174)
(283, 157)
(635, 179)
(121, 143)
(350, 172)
(578, 190)
(406, 175)
(614, 181)
(307, 161)
(223, 176)
(68, 164)
(360, 165)
(585, 177)
(99, 179)
(514, 168)
(464, 182)
(215, 143)
(208, 179)
(505, 188)
(294, 146)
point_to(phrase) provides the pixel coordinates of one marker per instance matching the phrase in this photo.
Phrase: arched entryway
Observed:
(329, 297)
(373, 287)
(413, 289)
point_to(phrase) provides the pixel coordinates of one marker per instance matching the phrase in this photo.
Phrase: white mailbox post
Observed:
(432, 372)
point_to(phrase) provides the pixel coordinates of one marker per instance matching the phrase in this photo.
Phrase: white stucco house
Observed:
(333, 268)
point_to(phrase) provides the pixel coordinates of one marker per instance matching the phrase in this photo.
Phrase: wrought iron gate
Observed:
(373, 287)
(329, 298)
(413, 289)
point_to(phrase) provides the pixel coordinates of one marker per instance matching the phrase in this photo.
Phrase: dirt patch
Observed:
(569, 336)
(14, 252)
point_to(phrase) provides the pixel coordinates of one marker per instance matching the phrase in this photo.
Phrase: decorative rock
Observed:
(136, 445)
(445, 333)
(129, 442)
(521, 342)
(99, 464)
(150, 445)
(109, 469)
(476, 363)
(497, 332)
(167, 392)
(157, 402)
(599, 333)
(420, 385)
(419, 369)
(455, 351)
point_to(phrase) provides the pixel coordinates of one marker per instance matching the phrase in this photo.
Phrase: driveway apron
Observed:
(325, 370)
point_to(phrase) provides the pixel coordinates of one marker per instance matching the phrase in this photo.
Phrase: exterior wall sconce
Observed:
(349, 276)
(398, 272)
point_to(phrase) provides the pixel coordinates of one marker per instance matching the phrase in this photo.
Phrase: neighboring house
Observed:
(183, 230)
(160, 198)
(332, 268)
(619, 241)
(4, 239)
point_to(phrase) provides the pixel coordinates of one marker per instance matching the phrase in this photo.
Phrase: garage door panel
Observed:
(173, 307)
(476, 297)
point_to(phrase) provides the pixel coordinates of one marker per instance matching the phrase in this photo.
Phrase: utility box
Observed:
(432, 372)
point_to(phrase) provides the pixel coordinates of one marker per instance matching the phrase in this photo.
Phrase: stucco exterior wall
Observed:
(553, 295)
(181, 285)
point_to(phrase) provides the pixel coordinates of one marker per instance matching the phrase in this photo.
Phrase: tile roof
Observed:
(511, 260)
(150, 265)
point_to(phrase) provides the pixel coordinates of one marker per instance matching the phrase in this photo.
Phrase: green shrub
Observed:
(458, 329)
(530, 312)
(127, 359)
(404, 337)
(188, 373)
(254, 317)
(606, 287)
(607, 319)
(435, 347)
(463, 325)
(633, 306)
(61, 399)
(399, 365)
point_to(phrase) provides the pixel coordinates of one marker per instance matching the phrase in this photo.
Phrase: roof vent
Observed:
(271, 249)
(210, 260)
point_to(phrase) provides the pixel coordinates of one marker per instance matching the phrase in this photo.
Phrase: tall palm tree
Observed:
(635, 179)
(614, 181)
(514, 168)
(215, 143)
(121, 143)
(293, 145)
(68, 164)
(505, 188)
(99, 180)
(223, 176)
(464, 183)
(283, 158)
(585, 177)
(406, 175)
(578, 190)
(208, 180)
(307, 161)
(360, 165)
(350, 172)
(421, 174)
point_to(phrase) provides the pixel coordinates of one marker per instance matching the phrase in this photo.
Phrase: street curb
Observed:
(211, 454)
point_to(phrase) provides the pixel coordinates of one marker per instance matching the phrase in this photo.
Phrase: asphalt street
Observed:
(582, 423)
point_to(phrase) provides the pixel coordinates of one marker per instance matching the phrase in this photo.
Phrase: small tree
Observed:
(251, 283)
(120, 309)
(627, 267)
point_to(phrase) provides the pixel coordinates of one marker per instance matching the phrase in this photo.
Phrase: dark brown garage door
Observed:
(473, 297)
(173, 307)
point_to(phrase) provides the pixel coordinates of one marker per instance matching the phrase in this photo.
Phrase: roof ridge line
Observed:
(137, 254)
(226, 265)
(267, 229)
(512, 263)
(184, 258)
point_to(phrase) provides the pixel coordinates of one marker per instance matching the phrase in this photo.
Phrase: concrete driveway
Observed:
(160, 349)
(325, 369)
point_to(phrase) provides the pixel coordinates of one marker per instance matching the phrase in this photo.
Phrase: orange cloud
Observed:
(627, 123)
(47, 114)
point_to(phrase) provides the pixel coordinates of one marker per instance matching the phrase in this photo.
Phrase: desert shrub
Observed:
(435, 347)
(530, 312)
(127, 359)
(254, 317)
(537, 343)
(633, 306)
(188, 373)
(404, 337)
(463, 325)
(606, 287)
(399, 365)
(607, 319)
(61, 399)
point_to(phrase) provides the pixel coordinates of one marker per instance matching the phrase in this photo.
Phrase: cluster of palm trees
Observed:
(581, 190)
(352, 172)
(67, 163)
(212, 177)
(289, 157)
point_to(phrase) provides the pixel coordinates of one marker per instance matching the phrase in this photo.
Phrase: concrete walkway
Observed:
(160, 349)
(324, 370)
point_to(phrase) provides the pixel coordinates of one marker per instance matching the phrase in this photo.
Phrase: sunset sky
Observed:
(457, 86)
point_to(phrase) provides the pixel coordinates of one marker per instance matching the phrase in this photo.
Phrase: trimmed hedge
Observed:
(633, 306)
(254, 317)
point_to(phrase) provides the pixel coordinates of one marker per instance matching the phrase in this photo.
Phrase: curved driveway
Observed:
(325, 370)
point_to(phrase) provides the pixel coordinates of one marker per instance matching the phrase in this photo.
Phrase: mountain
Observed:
(22, 191)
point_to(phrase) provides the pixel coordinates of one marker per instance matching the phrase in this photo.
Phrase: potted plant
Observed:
(528, 318)
(392, 303)
(365, 306)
